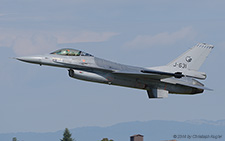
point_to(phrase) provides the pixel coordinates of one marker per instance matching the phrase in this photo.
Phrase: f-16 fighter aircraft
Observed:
(177, 77)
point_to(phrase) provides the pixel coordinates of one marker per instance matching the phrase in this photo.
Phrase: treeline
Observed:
(67, 136)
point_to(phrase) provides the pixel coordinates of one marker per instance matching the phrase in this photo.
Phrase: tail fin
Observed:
(193, 58)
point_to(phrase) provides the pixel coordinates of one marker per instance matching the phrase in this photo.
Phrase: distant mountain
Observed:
(155, 130)
(218, 122)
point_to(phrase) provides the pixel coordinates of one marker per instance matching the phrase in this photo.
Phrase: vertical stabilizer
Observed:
(193, 58)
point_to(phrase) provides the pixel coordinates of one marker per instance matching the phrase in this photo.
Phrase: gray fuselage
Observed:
(90, 68)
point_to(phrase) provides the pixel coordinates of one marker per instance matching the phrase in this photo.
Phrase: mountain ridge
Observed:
(152, 130)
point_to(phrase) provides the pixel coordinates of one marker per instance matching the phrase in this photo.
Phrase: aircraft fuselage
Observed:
(179, 76)
(93, 69)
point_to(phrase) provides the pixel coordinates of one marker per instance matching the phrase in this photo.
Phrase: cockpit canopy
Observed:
(70, 52)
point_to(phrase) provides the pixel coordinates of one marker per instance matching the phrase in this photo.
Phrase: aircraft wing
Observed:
(139, 73)
(146, 73)
(142, 73)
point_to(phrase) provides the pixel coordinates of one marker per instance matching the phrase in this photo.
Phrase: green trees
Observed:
(14, 139)
(67, 135)
(106, 139)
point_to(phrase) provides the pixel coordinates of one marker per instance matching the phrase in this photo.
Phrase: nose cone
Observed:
(31, 59)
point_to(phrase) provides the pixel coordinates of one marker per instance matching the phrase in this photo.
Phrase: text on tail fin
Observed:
(193, 58)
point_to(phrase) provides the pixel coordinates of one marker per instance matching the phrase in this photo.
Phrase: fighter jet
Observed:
(177, 77)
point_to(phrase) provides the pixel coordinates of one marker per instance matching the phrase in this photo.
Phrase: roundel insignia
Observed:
(188, 59)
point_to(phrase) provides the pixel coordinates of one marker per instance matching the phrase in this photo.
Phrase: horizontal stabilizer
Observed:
(184, 82)
(178, 73)
(197, 86)
(157, 93)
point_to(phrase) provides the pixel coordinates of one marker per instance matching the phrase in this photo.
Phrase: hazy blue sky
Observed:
(141, 33)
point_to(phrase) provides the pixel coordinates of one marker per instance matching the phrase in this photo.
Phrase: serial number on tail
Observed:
(180, 65)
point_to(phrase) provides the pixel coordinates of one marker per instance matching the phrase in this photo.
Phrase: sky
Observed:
(143, 33)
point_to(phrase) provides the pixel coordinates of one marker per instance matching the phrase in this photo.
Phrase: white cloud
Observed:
(6, 14)
(164, 38)
(6, 39)
(33, 44)
(28, 43)
(85, 36)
